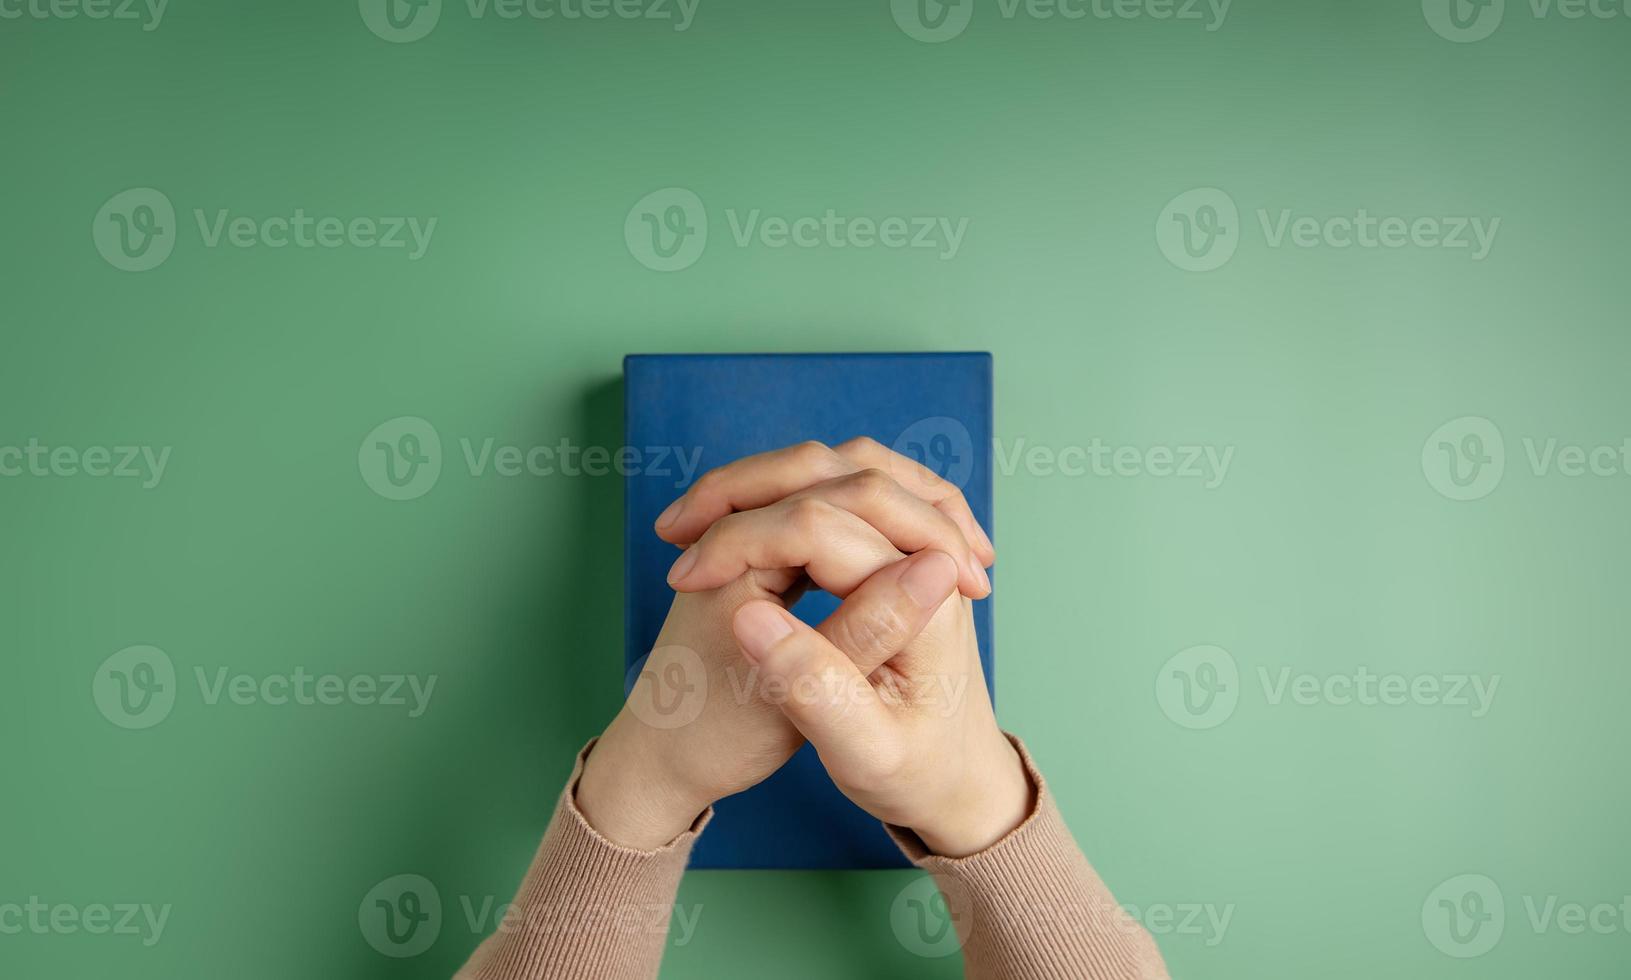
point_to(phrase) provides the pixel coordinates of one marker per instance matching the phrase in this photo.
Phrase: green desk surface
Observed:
(1133, 212)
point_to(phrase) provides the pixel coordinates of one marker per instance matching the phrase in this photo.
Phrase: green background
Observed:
(1326, 549)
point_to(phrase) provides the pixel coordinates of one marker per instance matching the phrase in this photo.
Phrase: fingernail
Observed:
(760, 626)
(670, 514)
(929, 579)
(682, 566)
(979, 573)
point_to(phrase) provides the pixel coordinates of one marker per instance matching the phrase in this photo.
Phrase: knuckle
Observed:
(953, 533)
(709, 483)
(819, 458)
(811, 452)
(727, 528)
(872, 483)
(808, 515)
(875, 630)
(861, 444)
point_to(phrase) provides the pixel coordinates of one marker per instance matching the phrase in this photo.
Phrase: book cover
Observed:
(704, 410)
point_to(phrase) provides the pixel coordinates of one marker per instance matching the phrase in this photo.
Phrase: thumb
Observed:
(815, 685)
(889, 610)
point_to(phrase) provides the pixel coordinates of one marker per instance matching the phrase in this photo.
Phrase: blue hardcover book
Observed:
(713, 408)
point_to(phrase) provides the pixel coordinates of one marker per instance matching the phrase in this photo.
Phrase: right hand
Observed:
(917, 743)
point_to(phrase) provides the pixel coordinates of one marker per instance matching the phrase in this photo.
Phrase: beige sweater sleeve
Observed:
(1029, 906)
(588, 908)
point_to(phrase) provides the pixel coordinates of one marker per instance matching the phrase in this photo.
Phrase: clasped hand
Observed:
(889, 689)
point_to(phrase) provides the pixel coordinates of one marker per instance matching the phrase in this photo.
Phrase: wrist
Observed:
(629, 795)
(985, 808)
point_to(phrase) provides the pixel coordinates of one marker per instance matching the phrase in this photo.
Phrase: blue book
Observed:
(714, 408)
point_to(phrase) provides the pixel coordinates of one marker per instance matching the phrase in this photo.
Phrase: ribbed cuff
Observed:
(1030, 905)
(588, 907)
